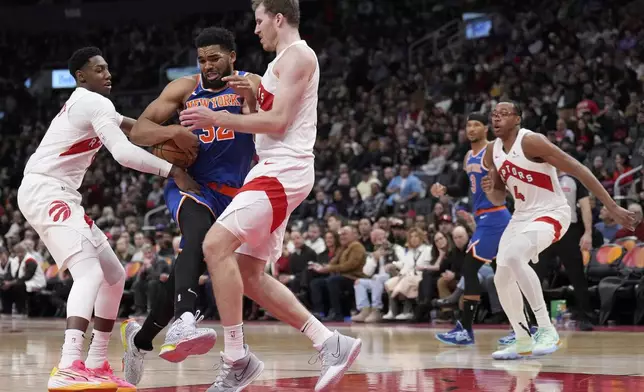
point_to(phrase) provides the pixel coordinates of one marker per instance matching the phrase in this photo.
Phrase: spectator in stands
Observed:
(452, 265)
(355, 205)
(344, 268)
(332, 244)
(365, 231)
(407, 274)
(153, 272)
(4, 267)
(374, 203)
(375, 269)
(403, 188)
(123, 251)
(639, 230)
(314, 239)
(298, 263)
(334, 223)
(607, 227)
(442, 246)
(23, 276)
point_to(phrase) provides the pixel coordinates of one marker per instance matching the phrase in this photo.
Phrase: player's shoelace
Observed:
(224, 369)
(459, 335)
(320, 357)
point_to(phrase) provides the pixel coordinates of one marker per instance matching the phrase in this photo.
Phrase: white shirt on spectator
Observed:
(420, 256)
(318, 245)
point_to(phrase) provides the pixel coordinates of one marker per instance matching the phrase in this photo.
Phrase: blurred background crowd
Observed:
(398, 81)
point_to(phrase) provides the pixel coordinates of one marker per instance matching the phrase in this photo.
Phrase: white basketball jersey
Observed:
(299, 138)
(534, 186)
(68, 148)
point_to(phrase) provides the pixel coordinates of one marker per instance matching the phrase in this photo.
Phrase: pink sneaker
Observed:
(78, 378)
(106, 373)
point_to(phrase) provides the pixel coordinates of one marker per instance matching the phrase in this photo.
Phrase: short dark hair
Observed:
(81, 57)
(216, 36)
(289, 8)
(517, 108)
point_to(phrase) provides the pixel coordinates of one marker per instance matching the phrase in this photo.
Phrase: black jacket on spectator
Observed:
(298, 261)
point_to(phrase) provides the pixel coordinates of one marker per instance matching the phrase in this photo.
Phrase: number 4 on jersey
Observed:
(518, 195)
(208, 135)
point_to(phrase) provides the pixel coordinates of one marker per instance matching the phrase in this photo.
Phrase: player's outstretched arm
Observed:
(492, 184)
(537, 146)
(148, 130)
(103, 118)
(126, 124)
(295, 70)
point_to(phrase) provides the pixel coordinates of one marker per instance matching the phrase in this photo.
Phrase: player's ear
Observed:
(233, 57)
(279, 18)
(79, 76)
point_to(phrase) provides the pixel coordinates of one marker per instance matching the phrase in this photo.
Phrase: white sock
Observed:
(234, 342)
(316, 331)
(97, 354)
(531, 288)
(72, 348)
(511, 300)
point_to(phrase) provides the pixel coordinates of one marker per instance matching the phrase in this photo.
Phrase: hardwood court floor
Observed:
(394, 358)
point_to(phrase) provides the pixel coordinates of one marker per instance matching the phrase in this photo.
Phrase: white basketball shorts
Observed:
(54, 211)
(259, 213)
(549, 227)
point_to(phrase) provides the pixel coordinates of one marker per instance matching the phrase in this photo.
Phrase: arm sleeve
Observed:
(461, 187)
(105, 121)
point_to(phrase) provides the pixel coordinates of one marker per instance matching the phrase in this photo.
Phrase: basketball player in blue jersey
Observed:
(490, 222)
(223, 161)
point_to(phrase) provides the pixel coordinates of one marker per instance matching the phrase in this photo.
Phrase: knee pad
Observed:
(471, 268)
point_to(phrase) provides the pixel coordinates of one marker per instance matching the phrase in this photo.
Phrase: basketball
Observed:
(169, 151)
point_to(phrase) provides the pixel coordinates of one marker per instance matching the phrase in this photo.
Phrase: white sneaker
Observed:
(388, 316)
(184, 339)
(546, 341)
(132, 356)
(405, 316)
(522, 347)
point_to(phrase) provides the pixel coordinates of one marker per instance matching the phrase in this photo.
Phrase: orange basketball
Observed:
(169, 151)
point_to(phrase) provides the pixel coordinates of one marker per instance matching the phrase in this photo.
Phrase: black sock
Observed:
(194, 220)
(143, 339)
(469, 312)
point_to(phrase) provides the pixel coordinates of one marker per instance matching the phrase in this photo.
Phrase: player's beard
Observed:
(218, 83)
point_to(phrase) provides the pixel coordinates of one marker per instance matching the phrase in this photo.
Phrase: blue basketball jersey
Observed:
(476, 172)
(224, 155)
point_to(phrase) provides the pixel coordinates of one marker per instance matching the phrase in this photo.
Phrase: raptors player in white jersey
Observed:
(526, 164)
(254, 223)
(48, 198)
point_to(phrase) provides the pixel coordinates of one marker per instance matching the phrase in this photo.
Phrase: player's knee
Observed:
(503, 277)
(519, 252)
(219, 244)
(87, 270)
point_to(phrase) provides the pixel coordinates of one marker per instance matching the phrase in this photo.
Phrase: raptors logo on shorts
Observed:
(59, 211)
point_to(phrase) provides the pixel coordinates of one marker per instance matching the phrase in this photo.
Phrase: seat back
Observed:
(132, 268)
(634, 259)
(51, 271)
(627, 243)
(605, 261)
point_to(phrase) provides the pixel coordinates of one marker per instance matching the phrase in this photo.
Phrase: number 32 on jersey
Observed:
(208, 135)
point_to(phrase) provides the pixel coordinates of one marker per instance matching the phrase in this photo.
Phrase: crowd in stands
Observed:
(370, 242)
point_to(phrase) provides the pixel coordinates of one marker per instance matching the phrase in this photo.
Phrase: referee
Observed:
(568, 248)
